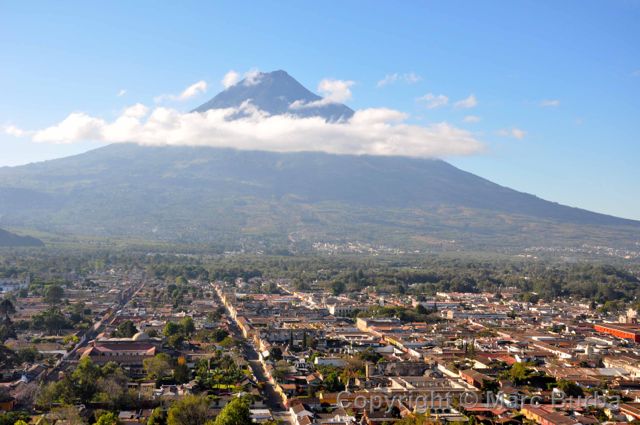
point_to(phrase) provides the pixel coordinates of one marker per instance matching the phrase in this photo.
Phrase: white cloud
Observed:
(408, 78)
(512, 132)
(253, 77)
(370, 131)
(249, 78)
(471, 119)
(122, 92)
(332, 91)
(467, 103)
(136, 111)
(191, 91)
(231, 78)
(550, 103)
(335, 91)
(14, 131)
(636, 73)
(432, 101)
(518, 134)
(77, 126)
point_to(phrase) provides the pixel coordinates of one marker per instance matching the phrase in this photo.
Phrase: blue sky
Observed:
(579, 58)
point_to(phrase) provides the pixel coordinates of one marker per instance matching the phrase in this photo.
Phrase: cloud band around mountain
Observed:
(370, 131)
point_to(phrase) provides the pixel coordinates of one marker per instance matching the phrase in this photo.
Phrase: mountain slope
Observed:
(224, 196)
(276, 93)
(8, 239)
(254, 199)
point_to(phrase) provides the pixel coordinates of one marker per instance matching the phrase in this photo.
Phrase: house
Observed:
(299, 411)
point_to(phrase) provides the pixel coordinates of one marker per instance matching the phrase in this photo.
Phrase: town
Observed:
(129, 344)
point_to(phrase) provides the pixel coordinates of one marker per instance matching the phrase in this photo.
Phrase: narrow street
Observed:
(272, 398)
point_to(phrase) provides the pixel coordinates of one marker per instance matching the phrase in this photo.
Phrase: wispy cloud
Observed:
(636, 73)
(332, 91)
(249, 78)
(433, 101)
(335, 91)
(191, 91)
(370, 131)
(471, 119)
(121, 93)
(549, 103)
(466, 103)
(231, 78)
(14, 131)
(253, 77)
(512, 132)
(408, 78)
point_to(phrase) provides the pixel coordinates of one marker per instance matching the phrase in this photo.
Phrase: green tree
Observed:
(85, 378)
(235, 412)
(53, 295)
(189, 410)
(126, 329)
(187, 325)
(176, 340)
(570, 388)
(50, 320)
(171, 328)
(519, 373)
(108, 418)
(158, 417)
(157, 367)
(181, 373)
(14, 418)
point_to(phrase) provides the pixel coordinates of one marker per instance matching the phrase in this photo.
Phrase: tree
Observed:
(51, 320)
(60, 391)
(126, 329)
(176, 340)
(157, 367)
(235, 412)
(275, 353)
(171, 328)
(519, 373)
(187, 325)
(158, 417)
(85, 377)
(7, 330)
(570, 388)
(14, 418)
(190, 410)
(338, 287)
(68, 415)
(113, 386)
(7, 308)
(219, 334)
(414, 420)
(53, 295)
(181, 373)
(108, 418)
